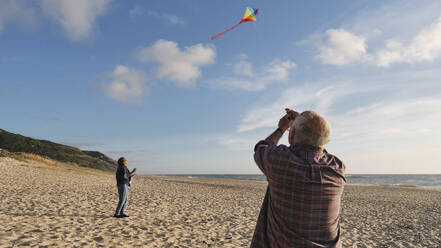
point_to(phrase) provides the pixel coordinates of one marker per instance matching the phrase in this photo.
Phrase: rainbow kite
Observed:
(250, 16)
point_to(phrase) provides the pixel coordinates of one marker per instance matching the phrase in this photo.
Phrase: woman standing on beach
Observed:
(123, 176)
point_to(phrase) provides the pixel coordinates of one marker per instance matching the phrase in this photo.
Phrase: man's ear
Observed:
(291, 137)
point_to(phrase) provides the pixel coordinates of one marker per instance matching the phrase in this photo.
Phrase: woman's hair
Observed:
(121, 162)
(311, 129)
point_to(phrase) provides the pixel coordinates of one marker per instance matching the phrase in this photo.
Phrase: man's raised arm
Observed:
(284, 124)
(273, 139)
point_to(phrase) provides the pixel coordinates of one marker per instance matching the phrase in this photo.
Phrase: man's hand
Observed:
(284, 124)
(286, 121)
(133, 171)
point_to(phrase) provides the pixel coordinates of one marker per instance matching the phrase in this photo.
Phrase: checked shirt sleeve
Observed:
(260, 153)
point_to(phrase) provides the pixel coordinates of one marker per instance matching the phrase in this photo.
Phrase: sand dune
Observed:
(44, 206)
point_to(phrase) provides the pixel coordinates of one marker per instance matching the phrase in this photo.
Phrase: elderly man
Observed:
(305, 184)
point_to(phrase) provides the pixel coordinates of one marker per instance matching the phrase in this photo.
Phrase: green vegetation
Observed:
(14, 143)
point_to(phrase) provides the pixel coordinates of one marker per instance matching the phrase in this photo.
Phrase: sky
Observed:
(142, 79)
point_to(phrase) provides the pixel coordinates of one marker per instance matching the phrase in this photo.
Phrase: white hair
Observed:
(311, 129)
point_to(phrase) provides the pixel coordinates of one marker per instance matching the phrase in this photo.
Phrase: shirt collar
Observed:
(307, 151)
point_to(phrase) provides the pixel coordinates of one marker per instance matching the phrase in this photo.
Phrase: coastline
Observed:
(49, 206)
(350, 181)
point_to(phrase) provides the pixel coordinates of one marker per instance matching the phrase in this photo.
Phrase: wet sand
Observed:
(48, 206)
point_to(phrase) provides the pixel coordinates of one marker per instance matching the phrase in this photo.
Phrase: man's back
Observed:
(302, 203)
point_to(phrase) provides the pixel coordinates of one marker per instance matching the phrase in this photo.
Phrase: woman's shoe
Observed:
(124, 215)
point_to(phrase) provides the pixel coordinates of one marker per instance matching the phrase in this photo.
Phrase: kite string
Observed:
(214, 37)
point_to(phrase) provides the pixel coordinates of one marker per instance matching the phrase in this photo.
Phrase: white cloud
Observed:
(126, 84)
(396, 115)
(391, 136)
(278, 70)
(76, 17)
(392, 19)
(136, 11)
(425, 46)
(318, 97)
(342, 48)
(244, 68)
(238, 143)
(409, 32)
(392, 160)
(16, 11)
(181, 66)
(398, 118)
(169, 18)
(173, 19)
(247, 79)
(239, 83)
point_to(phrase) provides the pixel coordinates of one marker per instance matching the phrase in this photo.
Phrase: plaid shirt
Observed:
(302, 202)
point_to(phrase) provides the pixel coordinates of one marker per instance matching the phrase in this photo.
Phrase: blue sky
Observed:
(142, 79)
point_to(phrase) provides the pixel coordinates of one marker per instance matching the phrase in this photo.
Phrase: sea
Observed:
(399, 180)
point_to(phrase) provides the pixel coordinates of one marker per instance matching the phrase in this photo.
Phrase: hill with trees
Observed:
(16, 143)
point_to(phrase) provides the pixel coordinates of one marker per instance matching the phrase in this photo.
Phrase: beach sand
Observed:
(46, 206)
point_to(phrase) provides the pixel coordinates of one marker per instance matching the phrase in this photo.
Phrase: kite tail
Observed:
(214, 37)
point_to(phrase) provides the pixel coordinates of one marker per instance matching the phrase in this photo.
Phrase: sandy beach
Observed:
(49, 206)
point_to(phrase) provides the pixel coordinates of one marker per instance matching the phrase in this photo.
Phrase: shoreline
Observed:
(262, 180)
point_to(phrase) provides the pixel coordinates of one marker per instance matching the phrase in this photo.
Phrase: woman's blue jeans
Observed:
(123, 191)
